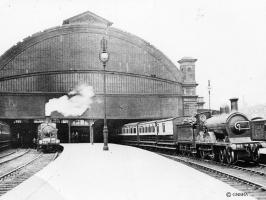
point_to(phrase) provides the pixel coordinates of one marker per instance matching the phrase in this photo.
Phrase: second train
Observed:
(226, 137)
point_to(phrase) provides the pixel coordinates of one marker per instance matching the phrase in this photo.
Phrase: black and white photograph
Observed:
(132, 99)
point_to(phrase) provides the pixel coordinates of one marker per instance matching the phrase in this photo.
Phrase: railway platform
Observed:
(85, 171)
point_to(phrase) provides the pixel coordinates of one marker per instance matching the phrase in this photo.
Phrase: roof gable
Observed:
(87, 18)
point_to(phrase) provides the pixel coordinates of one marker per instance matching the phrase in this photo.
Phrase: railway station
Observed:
(86, 81)
(141, 82)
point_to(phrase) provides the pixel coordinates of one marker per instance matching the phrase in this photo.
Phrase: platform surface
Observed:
(85, 171)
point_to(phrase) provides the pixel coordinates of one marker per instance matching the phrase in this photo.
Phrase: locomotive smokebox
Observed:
(234, 104)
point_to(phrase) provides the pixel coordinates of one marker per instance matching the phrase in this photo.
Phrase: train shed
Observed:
(142, 83)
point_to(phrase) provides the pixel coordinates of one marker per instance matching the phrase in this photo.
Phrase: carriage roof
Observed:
(150, 122)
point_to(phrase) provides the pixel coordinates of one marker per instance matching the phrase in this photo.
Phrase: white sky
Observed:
(228, 37)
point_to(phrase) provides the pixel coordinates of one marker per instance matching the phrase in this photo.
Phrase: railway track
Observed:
(254, 185)
(7, 154)
(252, 169)
(12, 156)
(15, 176)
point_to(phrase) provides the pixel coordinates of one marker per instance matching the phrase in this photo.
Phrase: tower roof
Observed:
(187, 59)
(87, 18)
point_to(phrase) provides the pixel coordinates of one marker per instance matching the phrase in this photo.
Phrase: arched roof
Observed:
(128, 52)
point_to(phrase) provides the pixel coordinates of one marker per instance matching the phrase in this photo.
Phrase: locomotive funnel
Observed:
(234, 104)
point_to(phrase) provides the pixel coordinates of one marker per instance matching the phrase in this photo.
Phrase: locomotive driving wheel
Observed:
(230, 156)
(255, 155)
(221, 155)
(213, 155)
(202, 154)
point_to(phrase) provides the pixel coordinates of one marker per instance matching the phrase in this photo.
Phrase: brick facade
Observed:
(141, 81)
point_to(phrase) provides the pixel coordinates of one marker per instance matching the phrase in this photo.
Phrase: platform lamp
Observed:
(104, 57)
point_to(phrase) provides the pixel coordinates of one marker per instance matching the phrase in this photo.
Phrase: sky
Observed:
(228, 37)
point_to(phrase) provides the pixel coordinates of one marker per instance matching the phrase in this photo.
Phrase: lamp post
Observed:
(104, 56)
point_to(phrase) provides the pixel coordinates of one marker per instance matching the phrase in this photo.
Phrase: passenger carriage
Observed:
(5, 136)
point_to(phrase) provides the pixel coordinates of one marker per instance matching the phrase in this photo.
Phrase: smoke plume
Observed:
(74, 104)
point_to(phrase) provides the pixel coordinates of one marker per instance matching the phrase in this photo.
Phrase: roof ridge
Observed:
(87, 17)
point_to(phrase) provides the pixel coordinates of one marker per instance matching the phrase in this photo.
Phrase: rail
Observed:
(20, 155)
(20, 167)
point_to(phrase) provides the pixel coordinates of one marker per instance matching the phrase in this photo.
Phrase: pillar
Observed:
(69, 131)
(91, 122)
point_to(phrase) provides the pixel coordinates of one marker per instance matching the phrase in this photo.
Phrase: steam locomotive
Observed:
(47, 140)
(225, 137)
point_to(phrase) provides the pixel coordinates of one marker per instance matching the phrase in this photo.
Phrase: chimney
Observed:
(234, 105)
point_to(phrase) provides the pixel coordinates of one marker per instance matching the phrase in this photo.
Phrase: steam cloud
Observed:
(74, 104)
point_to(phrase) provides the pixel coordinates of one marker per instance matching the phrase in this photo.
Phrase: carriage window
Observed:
(135, 130)
(146, 129)
(153, 129)
(131, 130)
(158, 129)
(163, 127)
